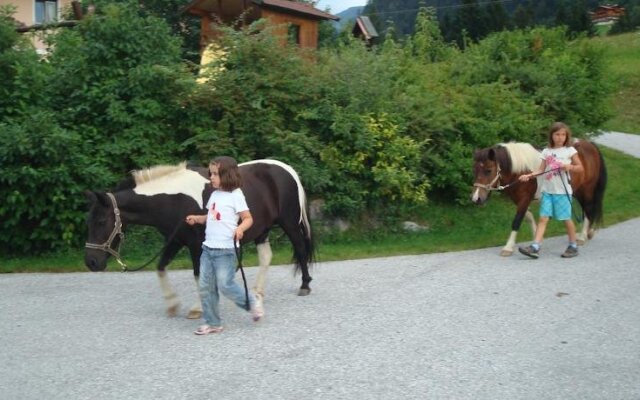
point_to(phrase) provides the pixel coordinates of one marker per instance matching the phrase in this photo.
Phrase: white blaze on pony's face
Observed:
(171, 180)
(485, 176)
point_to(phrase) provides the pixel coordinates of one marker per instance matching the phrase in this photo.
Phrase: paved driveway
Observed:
(624, 142)
(465, 325)
(468, 325)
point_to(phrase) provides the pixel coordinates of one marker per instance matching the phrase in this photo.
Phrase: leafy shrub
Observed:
(119, 81)
(260, 99)
(565, 77)
(44, 171)
(373, 167)
(110, 98)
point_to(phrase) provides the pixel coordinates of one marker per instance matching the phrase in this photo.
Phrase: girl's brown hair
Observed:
(230, 178)
(556, 127)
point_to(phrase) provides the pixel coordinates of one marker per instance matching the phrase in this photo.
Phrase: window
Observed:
(293, 34)
(46, 11)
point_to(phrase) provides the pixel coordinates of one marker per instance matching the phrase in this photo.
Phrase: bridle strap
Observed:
(117, 231)
(501, 187)
(490, 186)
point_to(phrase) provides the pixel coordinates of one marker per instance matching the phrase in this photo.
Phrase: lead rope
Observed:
(238, 251)
(578, 219)
(515, 182)
(125, 268)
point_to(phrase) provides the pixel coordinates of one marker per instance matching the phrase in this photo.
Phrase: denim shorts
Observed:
(557, 206)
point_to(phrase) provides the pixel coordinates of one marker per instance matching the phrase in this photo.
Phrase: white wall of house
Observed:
(32, 12)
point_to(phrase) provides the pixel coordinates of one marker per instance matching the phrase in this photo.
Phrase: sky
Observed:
(339, 5)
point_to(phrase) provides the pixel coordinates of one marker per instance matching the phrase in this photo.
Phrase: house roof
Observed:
(302, 8)
(238, 7)
(365, 26)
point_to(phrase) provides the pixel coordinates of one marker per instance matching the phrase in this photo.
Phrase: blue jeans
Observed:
(217, 274)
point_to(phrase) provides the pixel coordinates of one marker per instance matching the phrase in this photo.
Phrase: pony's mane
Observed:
(524, 157)
(149, 174)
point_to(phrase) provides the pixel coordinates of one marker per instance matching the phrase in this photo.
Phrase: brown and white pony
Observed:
(497, 168)
(163, 196)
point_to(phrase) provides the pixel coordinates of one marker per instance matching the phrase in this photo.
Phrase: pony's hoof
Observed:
(591, 234)
(304, 292)
(580, 242)
(194, 314)
(506, 253)
(173, 310)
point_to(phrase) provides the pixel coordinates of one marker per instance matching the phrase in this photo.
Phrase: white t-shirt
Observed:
(557, 182)
(222, 218)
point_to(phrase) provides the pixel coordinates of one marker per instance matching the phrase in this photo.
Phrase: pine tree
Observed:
(523, 16)
(562, 17)
(579, 20)
(497, 18)
(470, 17)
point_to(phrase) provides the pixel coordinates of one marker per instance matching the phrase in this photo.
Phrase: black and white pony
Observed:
(163, 196)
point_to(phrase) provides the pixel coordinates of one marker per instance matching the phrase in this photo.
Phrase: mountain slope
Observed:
(347, 16)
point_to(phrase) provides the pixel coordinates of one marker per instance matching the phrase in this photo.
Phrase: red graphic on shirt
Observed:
(214, 213)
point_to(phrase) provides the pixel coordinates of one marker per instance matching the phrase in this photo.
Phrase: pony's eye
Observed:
(487, 171)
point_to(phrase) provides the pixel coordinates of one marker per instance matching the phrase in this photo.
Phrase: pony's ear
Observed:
(96, 197)
(492, 154)
(480, 154)
(91, 196)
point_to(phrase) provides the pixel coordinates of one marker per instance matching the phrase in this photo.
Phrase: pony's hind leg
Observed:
(264, 259)
(195, 312)
(532, 223)
(507, 250)
(170, 296)
(302, 253)
(585, 233)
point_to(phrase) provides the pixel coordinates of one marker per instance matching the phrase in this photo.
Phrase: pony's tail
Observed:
(309, 256)
(598, 195)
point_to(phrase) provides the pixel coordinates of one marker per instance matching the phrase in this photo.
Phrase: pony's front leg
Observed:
(509, 247)
(264, 260)
(170, 296)
(195, 312)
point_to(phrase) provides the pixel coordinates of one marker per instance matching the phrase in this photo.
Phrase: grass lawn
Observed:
(624, 57)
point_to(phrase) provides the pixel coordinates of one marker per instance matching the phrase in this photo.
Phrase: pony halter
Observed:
(117, 231)
(490, 186)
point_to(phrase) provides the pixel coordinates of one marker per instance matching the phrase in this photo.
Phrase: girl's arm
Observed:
(575, 165)
(196, 219)
(540, 170)
(246, 222)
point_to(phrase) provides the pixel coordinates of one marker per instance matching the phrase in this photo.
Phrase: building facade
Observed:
(34, 13)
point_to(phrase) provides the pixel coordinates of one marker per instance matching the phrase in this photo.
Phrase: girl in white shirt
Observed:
(226, 206)
(558, 159)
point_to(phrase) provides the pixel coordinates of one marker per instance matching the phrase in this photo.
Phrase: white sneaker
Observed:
(206, 330)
